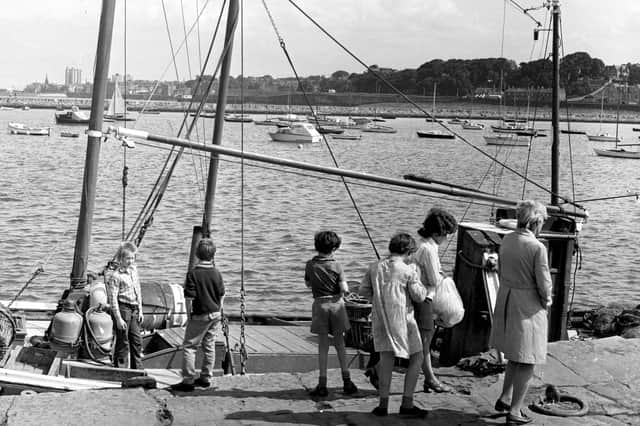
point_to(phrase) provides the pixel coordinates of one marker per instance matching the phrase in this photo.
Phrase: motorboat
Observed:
(323, 130)
(469, 125)
(72, 116)
(296, 132)
(21, 129)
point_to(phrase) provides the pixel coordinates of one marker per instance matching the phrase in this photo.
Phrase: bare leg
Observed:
(385, 368)
(507, 385)
(411, 376)
(427, 369)
(338, 343)
(521, 376)
(323, 354)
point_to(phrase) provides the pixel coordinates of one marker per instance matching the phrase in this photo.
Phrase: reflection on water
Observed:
(273, 237)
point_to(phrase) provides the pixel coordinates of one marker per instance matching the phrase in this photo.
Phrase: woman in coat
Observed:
(520, 316)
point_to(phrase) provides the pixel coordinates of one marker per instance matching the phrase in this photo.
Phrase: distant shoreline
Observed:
(462, 110)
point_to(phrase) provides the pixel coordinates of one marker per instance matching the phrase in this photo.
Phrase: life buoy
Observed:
(551, 409)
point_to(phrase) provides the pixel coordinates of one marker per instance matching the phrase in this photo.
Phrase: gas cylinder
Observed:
(101, 326)
(66, 325)
(97, 294)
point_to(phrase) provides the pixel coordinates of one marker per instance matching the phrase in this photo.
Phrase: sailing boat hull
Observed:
(603, 138)
(617, 153)
(435, 134)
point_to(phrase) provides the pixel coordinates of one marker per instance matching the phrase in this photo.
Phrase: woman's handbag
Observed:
(447, 306)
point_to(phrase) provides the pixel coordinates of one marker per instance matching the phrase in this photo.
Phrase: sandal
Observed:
(437, 387)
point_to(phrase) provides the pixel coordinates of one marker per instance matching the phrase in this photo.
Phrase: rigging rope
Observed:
(145, 217)
(333, 157)
(243, 349)
(417, 106)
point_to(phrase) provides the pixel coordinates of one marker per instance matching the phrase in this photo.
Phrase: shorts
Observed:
(424, 315)
(329, 316)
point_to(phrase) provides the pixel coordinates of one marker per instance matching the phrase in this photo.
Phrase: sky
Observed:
(42, 37)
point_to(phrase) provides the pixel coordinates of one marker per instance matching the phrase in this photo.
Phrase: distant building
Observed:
(72, 76)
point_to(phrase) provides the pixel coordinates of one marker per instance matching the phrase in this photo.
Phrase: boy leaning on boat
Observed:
(204, 285)
(324, 275)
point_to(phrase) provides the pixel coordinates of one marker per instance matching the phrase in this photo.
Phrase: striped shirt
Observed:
(123, 286)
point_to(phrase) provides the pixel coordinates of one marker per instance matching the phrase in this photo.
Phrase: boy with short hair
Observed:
(326, 279)
(205, 286)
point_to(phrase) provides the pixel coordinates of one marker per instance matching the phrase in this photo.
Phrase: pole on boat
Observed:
(212, 178)
(94, 138)
(335, 171)
(555, 107)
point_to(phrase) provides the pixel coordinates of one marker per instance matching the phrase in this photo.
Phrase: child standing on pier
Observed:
(391, 284)
(205, 287)
(125, 299)
(324, 275)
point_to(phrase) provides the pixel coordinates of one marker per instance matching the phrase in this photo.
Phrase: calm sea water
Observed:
(267, 227)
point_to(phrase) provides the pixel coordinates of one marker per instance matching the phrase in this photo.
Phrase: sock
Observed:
(322, 381)
(346, 376)
(407, 402)
(384, 402)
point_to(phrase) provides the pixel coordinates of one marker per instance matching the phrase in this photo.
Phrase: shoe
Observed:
(203, 383)
(320, 391)
(437, 387)
(183, 387)
(373, 377)
(501, 406)
(522, 419)
(349, 387)
(415, 412)
(380, 412)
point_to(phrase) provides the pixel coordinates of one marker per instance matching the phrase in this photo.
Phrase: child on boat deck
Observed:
(205, 286)
(125, 299)
(328, 315)
(391, 284)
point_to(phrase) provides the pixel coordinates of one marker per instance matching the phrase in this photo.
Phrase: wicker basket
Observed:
(359, 336)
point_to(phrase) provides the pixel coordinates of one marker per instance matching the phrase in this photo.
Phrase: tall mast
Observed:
(87, 204)
(555, 106)
(205, 230)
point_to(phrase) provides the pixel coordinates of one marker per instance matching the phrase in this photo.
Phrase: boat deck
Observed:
(270, 348)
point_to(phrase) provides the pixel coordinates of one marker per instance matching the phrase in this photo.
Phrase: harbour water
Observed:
(265, 227)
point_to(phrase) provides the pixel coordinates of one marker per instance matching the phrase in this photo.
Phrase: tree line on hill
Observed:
(580, 74)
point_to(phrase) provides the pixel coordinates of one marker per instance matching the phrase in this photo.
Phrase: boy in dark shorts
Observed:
(329, 315)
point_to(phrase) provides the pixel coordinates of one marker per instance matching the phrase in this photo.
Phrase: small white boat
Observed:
(507, 139)
(296, 132)
(469, 125)
(378, 128)
(21, 129)
(603, 137)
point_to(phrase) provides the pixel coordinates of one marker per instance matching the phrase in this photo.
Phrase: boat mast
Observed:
(94, 138)
(555, 107)
(205, 230)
